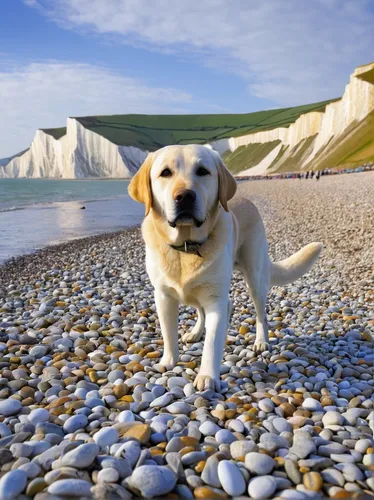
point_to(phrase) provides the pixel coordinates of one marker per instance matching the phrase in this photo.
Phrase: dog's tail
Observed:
(290, 269)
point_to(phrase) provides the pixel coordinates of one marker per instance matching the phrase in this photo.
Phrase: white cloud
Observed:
(292, 51)
(42, 95)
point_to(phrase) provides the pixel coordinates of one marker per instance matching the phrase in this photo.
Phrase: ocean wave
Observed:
(47, 205)
(11, 209)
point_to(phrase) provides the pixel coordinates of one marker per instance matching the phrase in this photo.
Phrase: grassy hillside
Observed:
(152, 132)
(248, 156)
(293, 158)
(355, 147)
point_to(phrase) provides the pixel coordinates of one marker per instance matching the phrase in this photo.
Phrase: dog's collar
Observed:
(189, 247)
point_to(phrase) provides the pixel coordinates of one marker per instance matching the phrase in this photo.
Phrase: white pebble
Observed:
(38, 415)
(106, 436)
(262, 488)
(70, 487)
(12, 484)
(9, 407)
(332, 418)
(126, 416)
(209, 428)
(231, 478)
(312, 404)
(108, 475)
(259, 463)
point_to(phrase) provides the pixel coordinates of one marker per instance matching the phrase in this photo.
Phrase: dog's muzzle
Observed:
(185, 200)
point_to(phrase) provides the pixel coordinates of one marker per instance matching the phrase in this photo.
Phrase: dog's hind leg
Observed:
(197, 331)
(259, 294)
(255, 264)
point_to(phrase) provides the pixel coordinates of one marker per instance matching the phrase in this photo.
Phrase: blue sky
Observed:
(62, 58)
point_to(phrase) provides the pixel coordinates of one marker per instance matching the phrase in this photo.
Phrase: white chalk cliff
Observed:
(323, 130)
(317, 139)
(79, 153)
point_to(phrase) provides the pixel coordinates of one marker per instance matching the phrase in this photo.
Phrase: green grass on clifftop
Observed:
(249, 156)
(151, 132)
(57, 133)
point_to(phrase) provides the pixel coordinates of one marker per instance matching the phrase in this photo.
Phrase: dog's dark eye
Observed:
(201, 171)
(166, 173)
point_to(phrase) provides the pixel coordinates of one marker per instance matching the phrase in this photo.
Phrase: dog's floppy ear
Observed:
(140, 185)
(226, 182)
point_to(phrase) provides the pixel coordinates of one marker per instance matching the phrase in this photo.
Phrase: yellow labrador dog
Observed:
(194, 239)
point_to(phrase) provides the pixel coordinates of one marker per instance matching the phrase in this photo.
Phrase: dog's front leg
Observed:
(167, 310)
(216, 319)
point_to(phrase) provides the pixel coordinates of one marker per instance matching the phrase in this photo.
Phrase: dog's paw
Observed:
(192, 336)
(261, 347)
(168, 361)
(205, 382)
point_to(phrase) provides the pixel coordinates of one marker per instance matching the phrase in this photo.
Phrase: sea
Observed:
(35, 213)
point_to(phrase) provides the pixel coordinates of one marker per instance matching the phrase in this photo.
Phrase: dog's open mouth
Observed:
(185, 219)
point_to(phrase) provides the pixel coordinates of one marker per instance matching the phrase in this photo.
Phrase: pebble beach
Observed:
(87, 411)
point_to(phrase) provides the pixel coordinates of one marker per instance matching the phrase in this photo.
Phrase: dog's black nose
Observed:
(185, 197)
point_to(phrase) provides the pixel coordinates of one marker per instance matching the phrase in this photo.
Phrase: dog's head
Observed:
(183, 184)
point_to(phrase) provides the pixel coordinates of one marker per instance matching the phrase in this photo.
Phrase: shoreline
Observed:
(38, 226)
(51, 252)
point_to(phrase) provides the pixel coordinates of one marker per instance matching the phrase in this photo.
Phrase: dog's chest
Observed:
(185, 276)
(180, 269)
